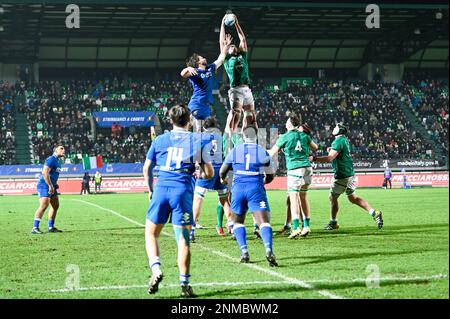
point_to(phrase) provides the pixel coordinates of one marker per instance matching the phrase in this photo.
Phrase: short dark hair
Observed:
(56, 147)
(295, 119)
(192, 61)
(210, 122)
(179, 115)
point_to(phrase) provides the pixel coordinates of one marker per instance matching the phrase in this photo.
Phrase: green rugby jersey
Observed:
(237, 69)
(295, 145)
(343, 163)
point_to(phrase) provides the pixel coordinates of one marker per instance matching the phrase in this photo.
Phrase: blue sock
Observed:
(239, 232)
(184, 279)
(266, 235)
(51, 223)
(37, 221)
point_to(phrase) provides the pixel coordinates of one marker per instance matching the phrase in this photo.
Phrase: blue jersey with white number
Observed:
(214, 148)
(175, 154)
(202, 83)
(55, 168)
(249, 162)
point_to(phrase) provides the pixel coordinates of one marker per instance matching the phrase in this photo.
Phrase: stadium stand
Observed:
(7, 125)
(59, 112)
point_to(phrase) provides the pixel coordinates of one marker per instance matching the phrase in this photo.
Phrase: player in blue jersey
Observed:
(252, 168)
(176, 154)
(201, 75)
(47, 190)
(213, 134)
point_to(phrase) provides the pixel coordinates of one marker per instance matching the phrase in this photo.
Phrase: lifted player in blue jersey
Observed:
(252, 168)
(201, 75)
(176, 154)
(214, 148)
(47, 191)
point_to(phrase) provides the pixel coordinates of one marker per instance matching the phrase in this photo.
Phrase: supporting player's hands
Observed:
(223, 181)
(150, 194)
(51, 190)
(191, 71)
(228, 40)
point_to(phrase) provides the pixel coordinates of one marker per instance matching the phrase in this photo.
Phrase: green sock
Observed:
(306, 222)
(220, 212)
(295, 223)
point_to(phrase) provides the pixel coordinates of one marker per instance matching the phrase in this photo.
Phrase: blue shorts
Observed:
(171, 201)
(212, 183)
(248, 197)
(43, 189)
(199, 111)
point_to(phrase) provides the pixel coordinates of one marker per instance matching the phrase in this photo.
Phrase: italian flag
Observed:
(92, 162)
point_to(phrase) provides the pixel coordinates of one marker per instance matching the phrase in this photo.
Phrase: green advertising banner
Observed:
(300, 81)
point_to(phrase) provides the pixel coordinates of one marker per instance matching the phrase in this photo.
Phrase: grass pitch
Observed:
(103, 237)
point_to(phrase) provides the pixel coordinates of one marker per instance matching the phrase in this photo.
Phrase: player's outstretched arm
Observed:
(223, 51)
(188, 72)
(332, 154)
(242, 38)
(222, 34)
(273, 151)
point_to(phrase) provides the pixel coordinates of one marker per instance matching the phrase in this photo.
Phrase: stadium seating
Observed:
(378, 127)
(59, 112)
(429, 101)
(7, 125)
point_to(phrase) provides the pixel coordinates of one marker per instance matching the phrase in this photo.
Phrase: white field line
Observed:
(250, 283)
(204, 284)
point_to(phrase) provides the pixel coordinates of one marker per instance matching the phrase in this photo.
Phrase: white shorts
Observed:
(298, 177)
(201, 192)
(347, 185)
(241, 94)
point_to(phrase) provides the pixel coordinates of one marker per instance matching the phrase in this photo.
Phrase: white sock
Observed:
(155, 264)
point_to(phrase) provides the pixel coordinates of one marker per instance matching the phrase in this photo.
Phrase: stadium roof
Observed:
(287, 34)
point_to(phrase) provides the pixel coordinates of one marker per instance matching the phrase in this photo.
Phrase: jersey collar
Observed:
(179, 130)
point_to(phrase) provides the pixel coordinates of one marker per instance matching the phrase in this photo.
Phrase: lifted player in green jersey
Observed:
(296, 144)
(344, 178)
(236, 66)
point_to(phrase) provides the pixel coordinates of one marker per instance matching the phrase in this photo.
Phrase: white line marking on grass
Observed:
(249, 283)
(383, 279)
(291, 280)
(200, 284)
(111, 211)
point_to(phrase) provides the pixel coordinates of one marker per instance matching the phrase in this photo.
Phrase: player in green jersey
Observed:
(344, 178)
(237, 68)
(296, 144)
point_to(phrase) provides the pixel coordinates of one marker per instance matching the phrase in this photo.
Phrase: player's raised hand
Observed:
(228, 39)
(191, 71)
